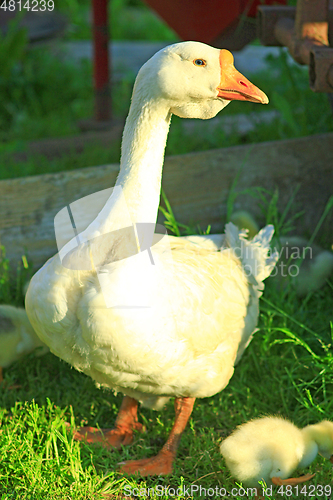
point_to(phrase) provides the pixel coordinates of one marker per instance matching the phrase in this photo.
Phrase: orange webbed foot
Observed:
(122, 433)
(108, 438)
(161, 464)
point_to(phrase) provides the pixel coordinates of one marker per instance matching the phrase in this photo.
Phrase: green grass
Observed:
(11, 291)
(286, 370)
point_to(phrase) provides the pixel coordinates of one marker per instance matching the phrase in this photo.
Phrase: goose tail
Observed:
(256, 256)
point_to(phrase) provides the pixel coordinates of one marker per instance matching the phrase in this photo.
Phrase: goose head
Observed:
(195, 80)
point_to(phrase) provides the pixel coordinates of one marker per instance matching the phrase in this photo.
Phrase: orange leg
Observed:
(121, 434)
(163, 461)
(292, 480)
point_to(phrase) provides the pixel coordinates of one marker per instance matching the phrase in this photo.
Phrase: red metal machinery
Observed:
(224, 23)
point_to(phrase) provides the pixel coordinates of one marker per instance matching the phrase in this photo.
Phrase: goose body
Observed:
(173, 322)
(166, 347)
(271, 448)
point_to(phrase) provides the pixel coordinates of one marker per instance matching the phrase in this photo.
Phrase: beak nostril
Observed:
(243, 83)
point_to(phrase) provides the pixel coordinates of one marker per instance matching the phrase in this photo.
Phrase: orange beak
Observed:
(233, 85)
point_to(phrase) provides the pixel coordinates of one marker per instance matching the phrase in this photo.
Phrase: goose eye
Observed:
(199, 62)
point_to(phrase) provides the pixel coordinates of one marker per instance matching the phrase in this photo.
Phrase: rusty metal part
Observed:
(321, 69)
(300, 29)
(267, 18)
(299, 48)
(312, 20)
(306, 31)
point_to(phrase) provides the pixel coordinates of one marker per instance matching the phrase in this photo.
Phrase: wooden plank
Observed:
(196, 184)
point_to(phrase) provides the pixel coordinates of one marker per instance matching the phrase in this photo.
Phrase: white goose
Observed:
(203, 303)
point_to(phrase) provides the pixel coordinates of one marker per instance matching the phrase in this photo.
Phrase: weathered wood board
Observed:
(196, 184)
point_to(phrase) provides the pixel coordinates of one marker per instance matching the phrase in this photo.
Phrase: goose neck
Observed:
(143, 146)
